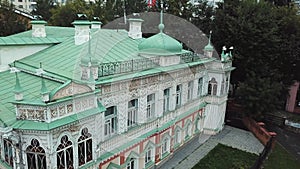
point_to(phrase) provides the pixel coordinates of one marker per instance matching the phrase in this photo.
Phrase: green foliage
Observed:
(266, 42)
(66, 14)
(226, 158)
(43, 8)
(106, 11)
(10, 23)
(202, 16)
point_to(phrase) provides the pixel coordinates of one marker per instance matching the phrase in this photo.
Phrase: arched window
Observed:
(188, 130)
(36, 157)
(212, 87)
(149, 154)
(177, 139)
(222, 86)
(165, 147)
(8, 152)
(65, 154)
(85, 149)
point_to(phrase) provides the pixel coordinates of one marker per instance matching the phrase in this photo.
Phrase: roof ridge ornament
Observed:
(161, 26)
(18, 90)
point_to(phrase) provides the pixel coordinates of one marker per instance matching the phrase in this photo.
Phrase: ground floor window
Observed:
(36, 157)
(148, 155)
(165, 147)
(85, 153)
(65, 154)
(8, 152)
(132, 164)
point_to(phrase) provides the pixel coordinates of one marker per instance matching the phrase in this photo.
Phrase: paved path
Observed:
(189, 155)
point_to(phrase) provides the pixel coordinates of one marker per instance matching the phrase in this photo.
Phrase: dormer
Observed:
(135, 28)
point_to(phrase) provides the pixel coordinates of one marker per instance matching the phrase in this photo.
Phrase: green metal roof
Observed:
(31, 86)
(5, 41)
(64, 59)
(51, 32)
(160, 43)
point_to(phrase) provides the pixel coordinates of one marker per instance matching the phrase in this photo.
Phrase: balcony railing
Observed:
(112, 68)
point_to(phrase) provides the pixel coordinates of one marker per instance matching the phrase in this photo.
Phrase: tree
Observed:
(10, 23)
(202, 16)
(266, 42)
(43, 8)
(66, 14)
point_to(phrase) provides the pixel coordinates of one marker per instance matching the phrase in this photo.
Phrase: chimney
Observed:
(82, 29)
(38, 28)
(96, 23)
(135, 28)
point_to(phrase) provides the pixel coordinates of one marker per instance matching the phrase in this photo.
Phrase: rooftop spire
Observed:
(161, 26)
(18, 90)
(44, 90)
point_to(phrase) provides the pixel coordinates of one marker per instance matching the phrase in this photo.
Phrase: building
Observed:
(87, 97)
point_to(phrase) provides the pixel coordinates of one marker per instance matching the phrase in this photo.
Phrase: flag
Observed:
(151, 3)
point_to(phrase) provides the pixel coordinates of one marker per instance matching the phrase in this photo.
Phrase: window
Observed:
(222, 86)
(36, 157)
(188, 130)
(190, 90)
(65, 154)
(132, 164)
(200, 85)
(166, 100)
(212, 87)
(198, 125)
(178, 95)
(110, 125)
(177, 136)
(150, 106)
(148, 155)
(85, 149)
(20, 6)
(165, 147)
(226, 84)
(20, 0)
(8, 152)
(132, 112)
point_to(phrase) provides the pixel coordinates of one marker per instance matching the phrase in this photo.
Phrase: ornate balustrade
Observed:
(106, 69)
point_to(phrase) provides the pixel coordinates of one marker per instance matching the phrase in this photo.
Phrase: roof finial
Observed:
(90, 46)
(161, 26)
(209, 39)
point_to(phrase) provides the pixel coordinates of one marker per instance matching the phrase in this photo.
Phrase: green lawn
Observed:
(224, 157)
(281, 159)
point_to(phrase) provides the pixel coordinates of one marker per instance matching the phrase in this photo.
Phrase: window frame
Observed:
(36, 151)
(178, 95)
(150, 109)
(200, 86)
(166, 100)
(190, 90)
(132, 118)
(110, 123)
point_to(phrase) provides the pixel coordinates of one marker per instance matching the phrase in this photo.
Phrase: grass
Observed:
(281, 159)
(224, 157)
